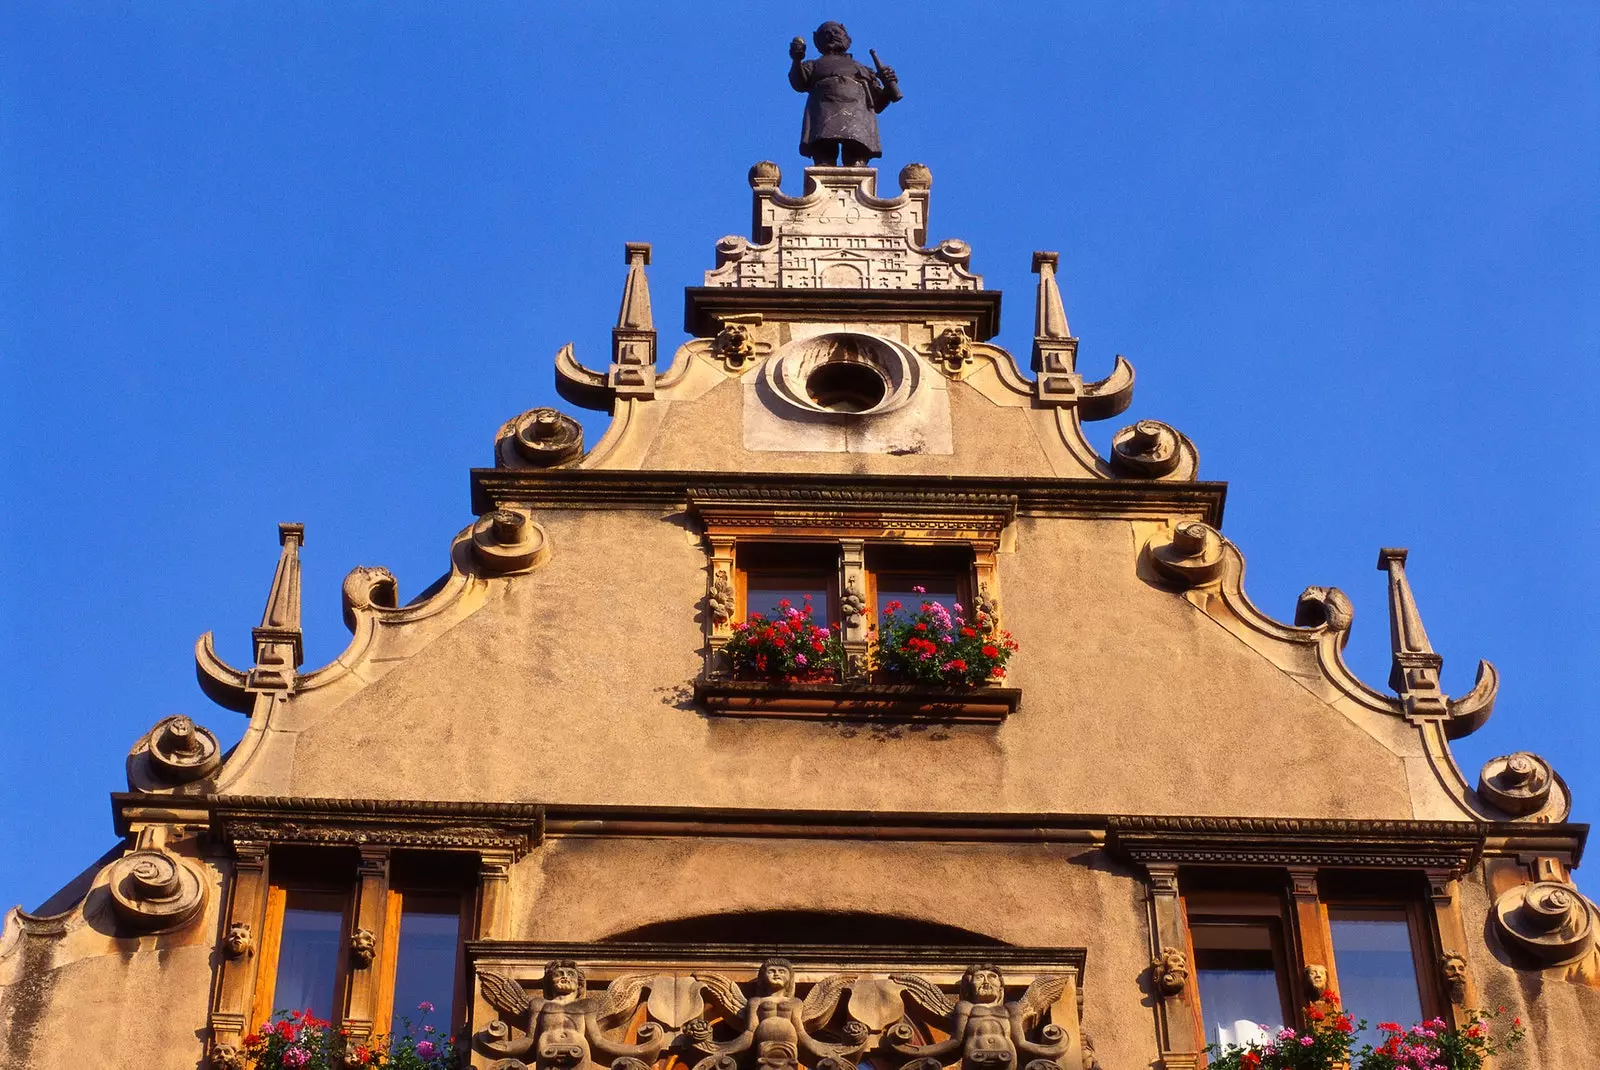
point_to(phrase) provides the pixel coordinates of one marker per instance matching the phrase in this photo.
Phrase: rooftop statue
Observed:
(844, 99)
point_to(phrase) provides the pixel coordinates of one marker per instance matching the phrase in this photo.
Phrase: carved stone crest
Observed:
(951, 350)
(721, 600)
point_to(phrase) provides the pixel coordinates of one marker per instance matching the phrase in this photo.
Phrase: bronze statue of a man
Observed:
(845, 99)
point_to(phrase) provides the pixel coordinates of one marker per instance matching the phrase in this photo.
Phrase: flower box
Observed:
(857, 700)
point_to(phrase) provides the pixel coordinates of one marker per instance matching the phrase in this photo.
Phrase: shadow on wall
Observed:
(804, 927)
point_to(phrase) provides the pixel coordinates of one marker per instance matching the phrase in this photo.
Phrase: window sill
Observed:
(857, 701)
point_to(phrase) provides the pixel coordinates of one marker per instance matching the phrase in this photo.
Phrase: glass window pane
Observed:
(1376, 967)
(425, 969)
(763, 592)
(308, 953)
(1237, 974)
(900, 587)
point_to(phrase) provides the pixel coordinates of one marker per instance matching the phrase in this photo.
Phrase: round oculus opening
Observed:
(846, 386)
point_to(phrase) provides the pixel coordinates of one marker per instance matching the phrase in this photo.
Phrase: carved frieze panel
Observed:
(732, 1007)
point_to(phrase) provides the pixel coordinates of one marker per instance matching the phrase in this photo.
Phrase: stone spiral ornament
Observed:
(182, 751)
(1548, 921)
(547, 437)
(1190, 554)
(155, 890)
(506, 540)
(1520, 783)
(1148, 449)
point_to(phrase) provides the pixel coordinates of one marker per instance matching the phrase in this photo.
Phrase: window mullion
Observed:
(1311, 939)
(365, 948)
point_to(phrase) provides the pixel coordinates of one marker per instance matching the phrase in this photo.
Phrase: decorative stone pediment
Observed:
(840, 235)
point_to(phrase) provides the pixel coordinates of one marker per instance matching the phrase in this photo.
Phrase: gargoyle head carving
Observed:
(1454, 967)
(238, 942)
(363, 947)
(1170, 970)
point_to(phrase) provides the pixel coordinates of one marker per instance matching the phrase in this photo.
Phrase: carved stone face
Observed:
(831, 38)
(1455, 969)
(984, 985)
(562, 981)
(777, 976)
(1171, 968)
(238, 939)
(1317, 978)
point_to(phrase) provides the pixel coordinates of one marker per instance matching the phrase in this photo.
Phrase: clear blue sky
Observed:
(269, 262)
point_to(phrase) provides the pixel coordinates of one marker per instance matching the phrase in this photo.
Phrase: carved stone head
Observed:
(983, 983)
(776, 977)
(1317, 978)
(1454, 967)
(238, 940)
(363, 948)
(562, 977)
(1170, 970)
(831, 38)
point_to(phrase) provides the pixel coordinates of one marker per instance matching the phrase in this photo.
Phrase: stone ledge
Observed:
(891, 703)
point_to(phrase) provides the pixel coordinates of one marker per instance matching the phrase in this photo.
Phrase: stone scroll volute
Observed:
(781, 1015)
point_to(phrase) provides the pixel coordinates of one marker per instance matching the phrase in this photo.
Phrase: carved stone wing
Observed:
(723, 992)
(823, 998)
(925, 993)
(1041, 996)
(622, 994)
(503, 994)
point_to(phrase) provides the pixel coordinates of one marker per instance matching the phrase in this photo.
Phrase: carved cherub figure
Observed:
(565, 1025)
(989, 1033)
(777, 1026)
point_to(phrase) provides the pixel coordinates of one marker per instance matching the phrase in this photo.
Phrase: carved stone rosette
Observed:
(153, 890)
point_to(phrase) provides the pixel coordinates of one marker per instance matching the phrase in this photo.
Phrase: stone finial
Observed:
(916, 176)
(1190, 554)
(765, 175)
(1148, 449)
(279, 650)
(176, 751)
(1415, 673)
(633, 340)
(1055, 355)
(509, 540)
(544, 438)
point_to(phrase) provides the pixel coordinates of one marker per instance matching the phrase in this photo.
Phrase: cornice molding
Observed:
(536, 953)
(1452, 845)
(704, 307)
(494, 488)
(519, 826)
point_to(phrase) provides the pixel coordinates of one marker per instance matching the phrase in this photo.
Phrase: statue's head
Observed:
(983, 983)
(831, 38)
(562, 977)
(777, 977)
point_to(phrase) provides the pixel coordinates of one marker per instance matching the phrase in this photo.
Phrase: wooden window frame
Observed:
(1430, 992)
(1222, 907)
(746, 549)
(389, 960)
(265, 994)
(881, 562)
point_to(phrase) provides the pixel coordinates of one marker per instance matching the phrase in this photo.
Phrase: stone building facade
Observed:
(1174, 820)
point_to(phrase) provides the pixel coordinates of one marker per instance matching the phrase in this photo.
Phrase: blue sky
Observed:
(299, 261)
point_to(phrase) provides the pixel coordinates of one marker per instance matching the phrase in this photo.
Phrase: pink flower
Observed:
(823, 633)
(425, 1048)
(296, 1057)
(920, 590)
(800, 660)
(425, 1007)
(1306, 1042)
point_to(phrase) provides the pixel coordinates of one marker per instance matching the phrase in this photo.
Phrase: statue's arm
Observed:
(651, 1041)
(1053, 1041)
(958, 1033)
(800, 75)
(885, 88)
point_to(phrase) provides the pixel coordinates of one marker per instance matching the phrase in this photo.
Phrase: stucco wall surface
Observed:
(573, 684)
(87, 998)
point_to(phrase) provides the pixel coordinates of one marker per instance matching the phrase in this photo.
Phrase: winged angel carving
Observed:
(778, 1029)
(565, 1027)
(989, 1033)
